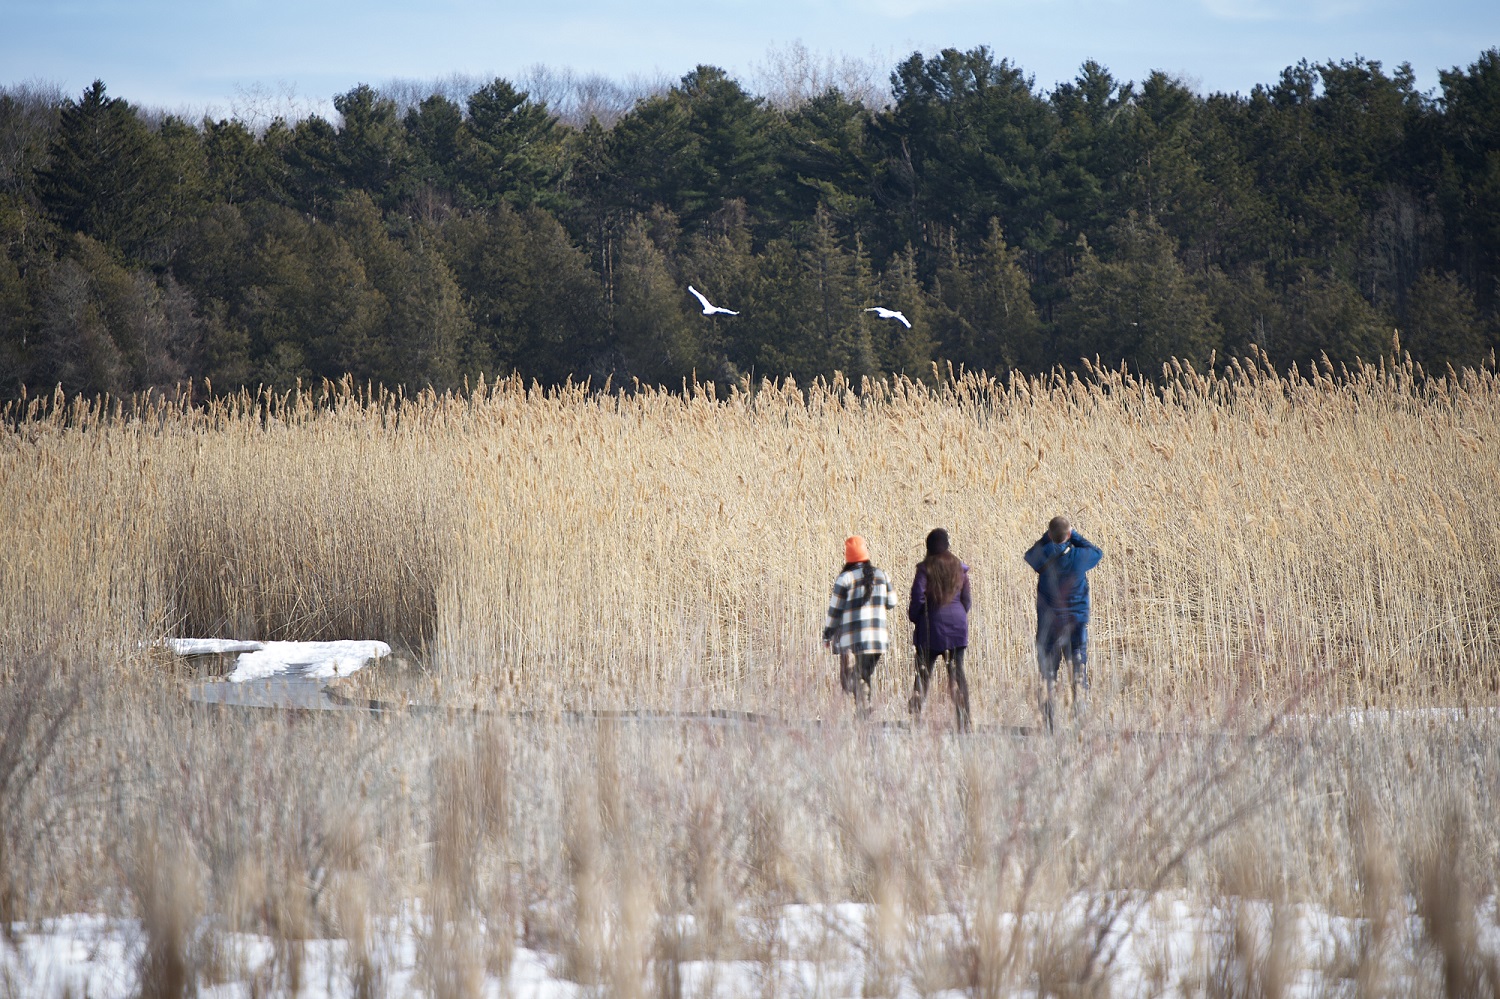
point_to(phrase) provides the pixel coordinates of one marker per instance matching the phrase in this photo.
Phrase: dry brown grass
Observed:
(1264, 536)
(1324, 543)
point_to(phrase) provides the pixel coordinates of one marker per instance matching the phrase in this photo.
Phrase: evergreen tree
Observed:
(1471, 156)
(1249, 311)
(439, 140)
(658, 342)
(423, 325)
(536, 307)
(901, 350)
(734, 131)
(1093, 148)
(834, 333)
(103, 172)
(987, 321)
(822, 159)
(1140, 307)
(16, 335)
(235, 170)
(965, 142)
(309, 307)
(719, 262)
(315, 180)
(184, 194)
(515, 153)
(654, 158)
(370, 152)
(1327, 315)
(1159, 175)
(1442, 324)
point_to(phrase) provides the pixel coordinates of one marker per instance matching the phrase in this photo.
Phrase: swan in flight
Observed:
(890, 314)
(709, 308)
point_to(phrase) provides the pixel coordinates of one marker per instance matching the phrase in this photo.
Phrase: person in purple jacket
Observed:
(939, 608)
(1062, 558)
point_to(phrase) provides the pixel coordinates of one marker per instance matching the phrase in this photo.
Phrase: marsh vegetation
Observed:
(1289, 770)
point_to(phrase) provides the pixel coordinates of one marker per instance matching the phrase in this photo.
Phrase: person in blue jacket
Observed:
(1062, 558)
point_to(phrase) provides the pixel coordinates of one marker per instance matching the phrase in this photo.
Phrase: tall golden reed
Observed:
(1329, 536)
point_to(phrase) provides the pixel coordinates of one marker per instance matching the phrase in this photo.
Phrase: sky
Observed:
(214, 55)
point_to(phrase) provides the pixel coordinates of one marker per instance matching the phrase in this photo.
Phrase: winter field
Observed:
(616, 761)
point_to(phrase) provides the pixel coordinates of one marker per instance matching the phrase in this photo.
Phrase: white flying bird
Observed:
(890, 314)
(709, 308)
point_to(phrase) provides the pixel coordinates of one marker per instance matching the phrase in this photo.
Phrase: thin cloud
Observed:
(1282, 10)
(902, 9)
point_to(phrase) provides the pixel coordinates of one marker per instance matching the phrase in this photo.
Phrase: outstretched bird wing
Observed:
(890, 314)
(707, 308)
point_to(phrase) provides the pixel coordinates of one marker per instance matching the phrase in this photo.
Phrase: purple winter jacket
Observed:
(942, 628)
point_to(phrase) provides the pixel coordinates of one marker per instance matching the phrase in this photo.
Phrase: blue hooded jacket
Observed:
(1062, 583)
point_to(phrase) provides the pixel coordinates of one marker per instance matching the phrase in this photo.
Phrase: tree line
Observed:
(422, 241)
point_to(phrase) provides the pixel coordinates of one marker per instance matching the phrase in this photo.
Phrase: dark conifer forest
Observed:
(424, 241)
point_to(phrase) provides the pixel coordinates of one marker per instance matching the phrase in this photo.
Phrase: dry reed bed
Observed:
(1266, 536)
(592, 842)
(1329, 542)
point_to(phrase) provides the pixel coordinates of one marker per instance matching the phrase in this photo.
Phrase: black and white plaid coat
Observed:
(859, 628)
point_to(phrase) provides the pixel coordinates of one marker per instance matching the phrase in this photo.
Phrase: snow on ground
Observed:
(211, 646)
(316, 660)
(1160, 945)
(1388, 717)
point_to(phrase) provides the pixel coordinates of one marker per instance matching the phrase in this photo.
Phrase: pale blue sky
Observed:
(192, 55)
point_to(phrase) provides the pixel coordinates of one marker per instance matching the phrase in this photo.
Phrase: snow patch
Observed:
(1161, 944)
(316, 660)
(211, 646)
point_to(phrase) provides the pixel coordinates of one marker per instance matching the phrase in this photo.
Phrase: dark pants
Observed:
(855, 671)
(1062, 639)
(958, 684)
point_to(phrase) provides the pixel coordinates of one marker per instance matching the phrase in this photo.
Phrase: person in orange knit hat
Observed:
(855, 626)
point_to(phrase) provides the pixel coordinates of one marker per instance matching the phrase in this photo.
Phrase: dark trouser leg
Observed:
(958, 687)
(1078, 658)
(867, 661)
(1048, 655)
(925, 660)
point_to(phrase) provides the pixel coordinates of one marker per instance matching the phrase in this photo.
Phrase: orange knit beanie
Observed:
(855, 549)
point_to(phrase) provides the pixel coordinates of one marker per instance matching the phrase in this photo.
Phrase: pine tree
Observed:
(423, 324)
(1442, 324)
(536, 307)
(514, 153)
(103, 172)
(1327, 315)
(371, 153)
(905, 351)
(309, 306)
(658, 342)
(832, 328)
(990, 320)
(1139, 307)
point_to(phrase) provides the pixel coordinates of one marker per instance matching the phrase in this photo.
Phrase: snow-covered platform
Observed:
(290, 676)
(311, 660)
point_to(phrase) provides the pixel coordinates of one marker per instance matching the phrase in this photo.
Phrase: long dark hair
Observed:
(945, 573)
(867, 578)
(945, 577)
